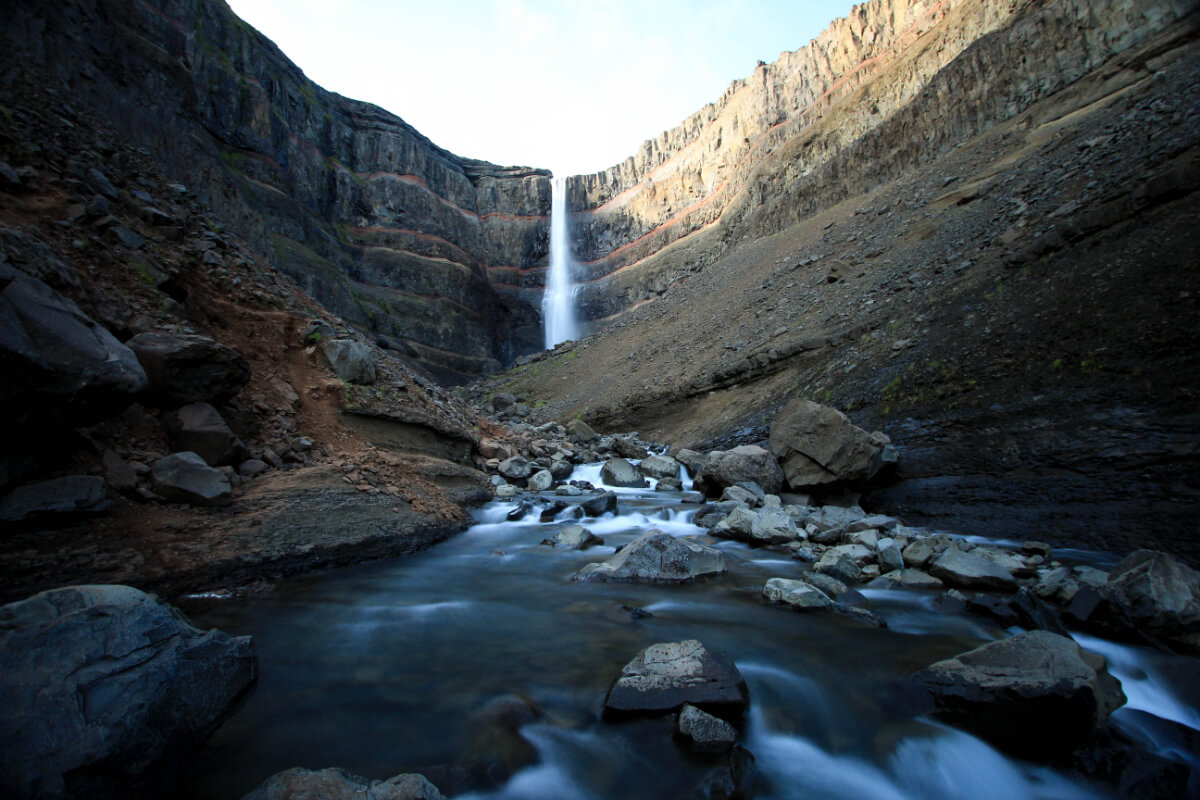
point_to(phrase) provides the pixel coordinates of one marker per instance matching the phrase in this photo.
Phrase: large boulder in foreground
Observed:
(189, 368)
(656, 557)
(818, 445)
(1035, 695)
(106, 691)
(748, 463)
(664, 676)
(338, 784)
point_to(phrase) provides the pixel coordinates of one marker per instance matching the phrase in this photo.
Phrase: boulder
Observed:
(580, 431)
(619, 472)
(665, 676)
(839, 565)
(252, 467)
(913, 578)
(1155, 592)
(970, 571)
(692, 460)
(350, 360)
(800, 595)
(576, 537)
(834, 518)
(920, 553)
(186, 478)
(703, 733)
(600, 505)
(737, 524)
(318, 331)
(73, 494)
(740, 494)
(627, 447)
(517, 468)
(888, 555)
(59, 363)
(656, 557)
(107, 692)
(540, 481)
(1034, 695)
(659, 467)
(774, 526)
(200, 429)
(731, 467)
(188, 368)
(338, 784)
(502, 401)
(818, 445)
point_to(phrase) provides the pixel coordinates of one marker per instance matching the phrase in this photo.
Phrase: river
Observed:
(379, 668)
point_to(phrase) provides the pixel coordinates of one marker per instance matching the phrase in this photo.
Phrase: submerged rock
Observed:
(338, 784)
(1035, 695)
(107, 691)
(703, 733)
(656, 557)
(665, 676)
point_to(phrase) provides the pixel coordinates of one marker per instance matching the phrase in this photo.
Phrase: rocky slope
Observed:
(1014, 307)
(437, 255)
(884, 90)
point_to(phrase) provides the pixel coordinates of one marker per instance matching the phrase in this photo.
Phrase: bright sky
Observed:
(571, 85)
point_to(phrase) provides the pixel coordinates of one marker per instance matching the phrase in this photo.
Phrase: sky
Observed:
(574, 86)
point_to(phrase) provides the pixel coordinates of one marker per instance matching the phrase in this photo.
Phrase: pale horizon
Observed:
(574, 89)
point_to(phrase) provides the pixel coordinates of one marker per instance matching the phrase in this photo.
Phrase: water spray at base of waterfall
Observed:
(558, 301)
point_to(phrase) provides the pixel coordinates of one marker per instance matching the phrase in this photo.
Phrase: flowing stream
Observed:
(379, 668)
(558, 301)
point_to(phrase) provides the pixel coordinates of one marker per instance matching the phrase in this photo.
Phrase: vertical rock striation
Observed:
(441, 255)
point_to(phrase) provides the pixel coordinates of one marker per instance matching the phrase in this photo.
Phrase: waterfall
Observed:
(558, 302)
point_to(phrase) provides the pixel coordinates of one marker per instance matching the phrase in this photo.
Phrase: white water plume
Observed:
(558, 302)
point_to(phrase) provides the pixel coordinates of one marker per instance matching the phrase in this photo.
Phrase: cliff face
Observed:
(893, 85)
(436, 254)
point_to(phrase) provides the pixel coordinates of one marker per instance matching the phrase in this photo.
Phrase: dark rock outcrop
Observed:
(189, 368)
(106, 691)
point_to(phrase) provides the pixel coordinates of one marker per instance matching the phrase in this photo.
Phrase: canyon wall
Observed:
(889, 87)
(440, 256)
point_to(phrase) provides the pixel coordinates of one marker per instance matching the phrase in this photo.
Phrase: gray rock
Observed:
(540, 481)
(659, 467)
(252, 468)
(580, 431)
(186, 478)
(126, 237)
(118, 473)
(200, 429)
(665, 676)
(502, 401)
(799, 595)
(628, 447)
(187, 368)
(913, 578)
(600, 505)
(837, 518)
(731, 467)
(338, 784)
(1034, 695)
(59, 363)
(567, 490)
(73, 494)
(818, 445)
(561, 469)
(923, 552)
(517, 468)
(737, 524)
(98, 182)
(107, 692)
(656, 557)
(876, 521)
(970, 571)
(669, 485)
(826, 583)
(350, 360)
(861, 554)
(703, 733)
(840, 566)
(692, 460)
(888, 555)
(619, 472)
(740, 494)
(868, 538)
(774, 526)
(1155, 592)
(507, 490)
(1057, 585)
(576, 537)
(318, 331)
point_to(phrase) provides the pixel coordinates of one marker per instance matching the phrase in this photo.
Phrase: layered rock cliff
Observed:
(889, 87)
(436, 254)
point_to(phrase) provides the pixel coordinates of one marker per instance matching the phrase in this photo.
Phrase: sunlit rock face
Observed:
(441, 256)
(890, 86)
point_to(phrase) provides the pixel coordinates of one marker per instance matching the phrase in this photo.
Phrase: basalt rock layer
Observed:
(887, 88)
(435, 254)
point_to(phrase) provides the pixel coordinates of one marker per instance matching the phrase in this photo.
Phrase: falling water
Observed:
(558, 303)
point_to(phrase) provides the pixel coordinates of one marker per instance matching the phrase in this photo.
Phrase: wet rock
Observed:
(669, 485)
(1033, 695)
(799, 595)
(519, 513)
(107, 692)
(517, 468)
(736, 781)
(659, 467)
(600, 505)
(200, 429)
(970, 571)
(656, 557)
(567, 490)
(1057, 585)
(665, 676)
(1022, 609)
(731, 467)
(496, 747)
(540, 481)
(619, 472)
(338, 784)
(186, 478)
(703, 733)
(560, 469)
(826, 583)
(693, 460)
(576, 537)
(818, 445)
(73, 494)
(188, 368)
(350, 360)
(840, 566)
